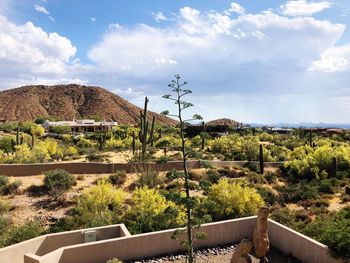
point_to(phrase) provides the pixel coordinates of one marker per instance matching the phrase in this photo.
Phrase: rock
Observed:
(261, 238)
(240, 255)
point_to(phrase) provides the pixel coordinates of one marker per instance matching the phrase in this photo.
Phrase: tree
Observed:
(177, 88)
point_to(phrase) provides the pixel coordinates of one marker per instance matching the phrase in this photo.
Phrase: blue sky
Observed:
(253, 61)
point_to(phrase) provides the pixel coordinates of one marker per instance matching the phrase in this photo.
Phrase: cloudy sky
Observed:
(253, 61)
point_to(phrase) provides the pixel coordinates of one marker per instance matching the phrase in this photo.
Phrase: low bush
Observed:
(271, 177)
(58, 181)
(118, 178)
(28, 230)
(213, 176)
(11, 188)
(4, 180)
(149, 177)
(94, 157)
(164, 159)
(251, 166)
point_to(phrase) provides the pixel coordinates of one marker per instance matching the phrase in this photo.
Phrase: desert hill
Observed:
(223, 121)
(68, 102)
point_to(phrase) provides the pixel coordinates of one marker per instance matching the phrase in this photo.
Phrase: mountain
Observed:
(67, 102)
(223, 121)
(304, 125)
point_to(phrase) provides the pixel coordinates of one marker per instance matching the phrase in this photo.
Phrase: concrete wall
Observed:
(160, 243)
(104, 168)
(87, 168)
(301, 246)
(45, 244)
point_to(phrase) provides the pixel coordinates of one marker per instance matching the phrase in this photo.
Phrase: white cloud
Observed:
(252, 67)
(334, 59)
(236, 8)
(159, 16)
(41, 9)
(93, 19)
(303, 7)
(27, 52)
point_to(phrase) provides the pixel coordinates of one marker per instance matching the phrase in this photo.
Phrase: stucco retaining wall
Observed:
(160, 243)
(105, 168)
(45, 244)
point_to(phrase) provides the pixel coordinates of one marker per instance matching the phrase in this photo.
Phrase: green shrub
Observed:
(251, 166)
(256, 178)
(164, 159)
(230, 200)
(11, 188)
(94, 157)
(271, 177)
(4, 180)
(4, 207)
(99, 205)
(267, 195)
(149, 177)
(58, 181)
(118, 178)
(28, 230)
(326, 187)
(213, 176)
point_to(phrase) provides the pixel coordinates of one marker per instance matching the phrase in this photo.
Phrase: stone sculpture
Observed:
(260, 238)
(240, 255)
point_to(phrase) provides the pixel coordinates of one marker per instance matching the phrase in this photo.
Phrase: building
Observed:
(84, 126)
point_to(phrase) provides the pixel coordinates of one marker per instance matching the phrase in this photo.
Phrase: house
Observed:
(84, 126)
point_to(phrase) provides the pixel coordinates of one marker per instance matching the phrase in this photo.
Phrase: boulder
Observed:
(240, 255)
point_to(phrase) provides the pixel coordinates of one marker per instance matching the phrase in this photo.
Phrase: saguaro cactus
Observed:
(261, 159)
(146, 135)
(133, 142)
(334, 167)
(17, 136)
(101, 139)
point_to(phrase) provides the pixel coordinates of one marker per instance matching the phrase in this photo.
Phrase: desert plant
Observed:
(11, 188)
(58, 181)
(146, 133)
(118, 178)
(114, 260)
(177, 87)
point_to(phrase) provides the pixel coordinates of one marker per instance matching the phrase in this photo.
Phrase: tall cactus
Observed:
(17, 136)
(334, 167)
(101, 138)
(261, 159)
(133, 142)
(146, 135)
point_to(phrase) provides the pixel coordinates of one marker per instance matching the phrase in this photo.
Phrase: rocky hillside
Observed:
(68, 102)
(223, 121)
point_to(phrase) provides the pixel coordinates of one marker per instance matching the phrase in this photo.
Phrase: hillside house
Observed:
(84, 126)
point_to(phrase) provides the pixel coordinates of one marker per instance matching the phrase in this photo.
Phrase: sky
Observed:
(253, 61)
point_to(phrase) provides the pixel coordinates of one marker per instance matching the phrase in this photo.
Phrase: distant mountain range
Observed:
(69, 102)
(304, 124)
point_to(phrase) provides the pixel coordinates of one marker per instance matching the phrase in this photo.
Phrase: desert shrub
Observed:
(205, 185)
(99, 205)
(256, 178)
(175, 185)
(326, 187)
(173, 174)
(213, 176)
(60, 129)
(148, 177)
(11, 188)
(150, 211)
(332, 230)
(267, 195)
(8, 126)
(251, 166)
(192, 185)
(195, 175)
(114, 260)
(58, 181)
(230, 200)
(6, 144)
(296, 193)
(4, 207)
(94, 157)
(271, 177)
(290, 218)
(118, 178)
(164, 159)
(4, 180)
(194, 154)
(28, 230)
